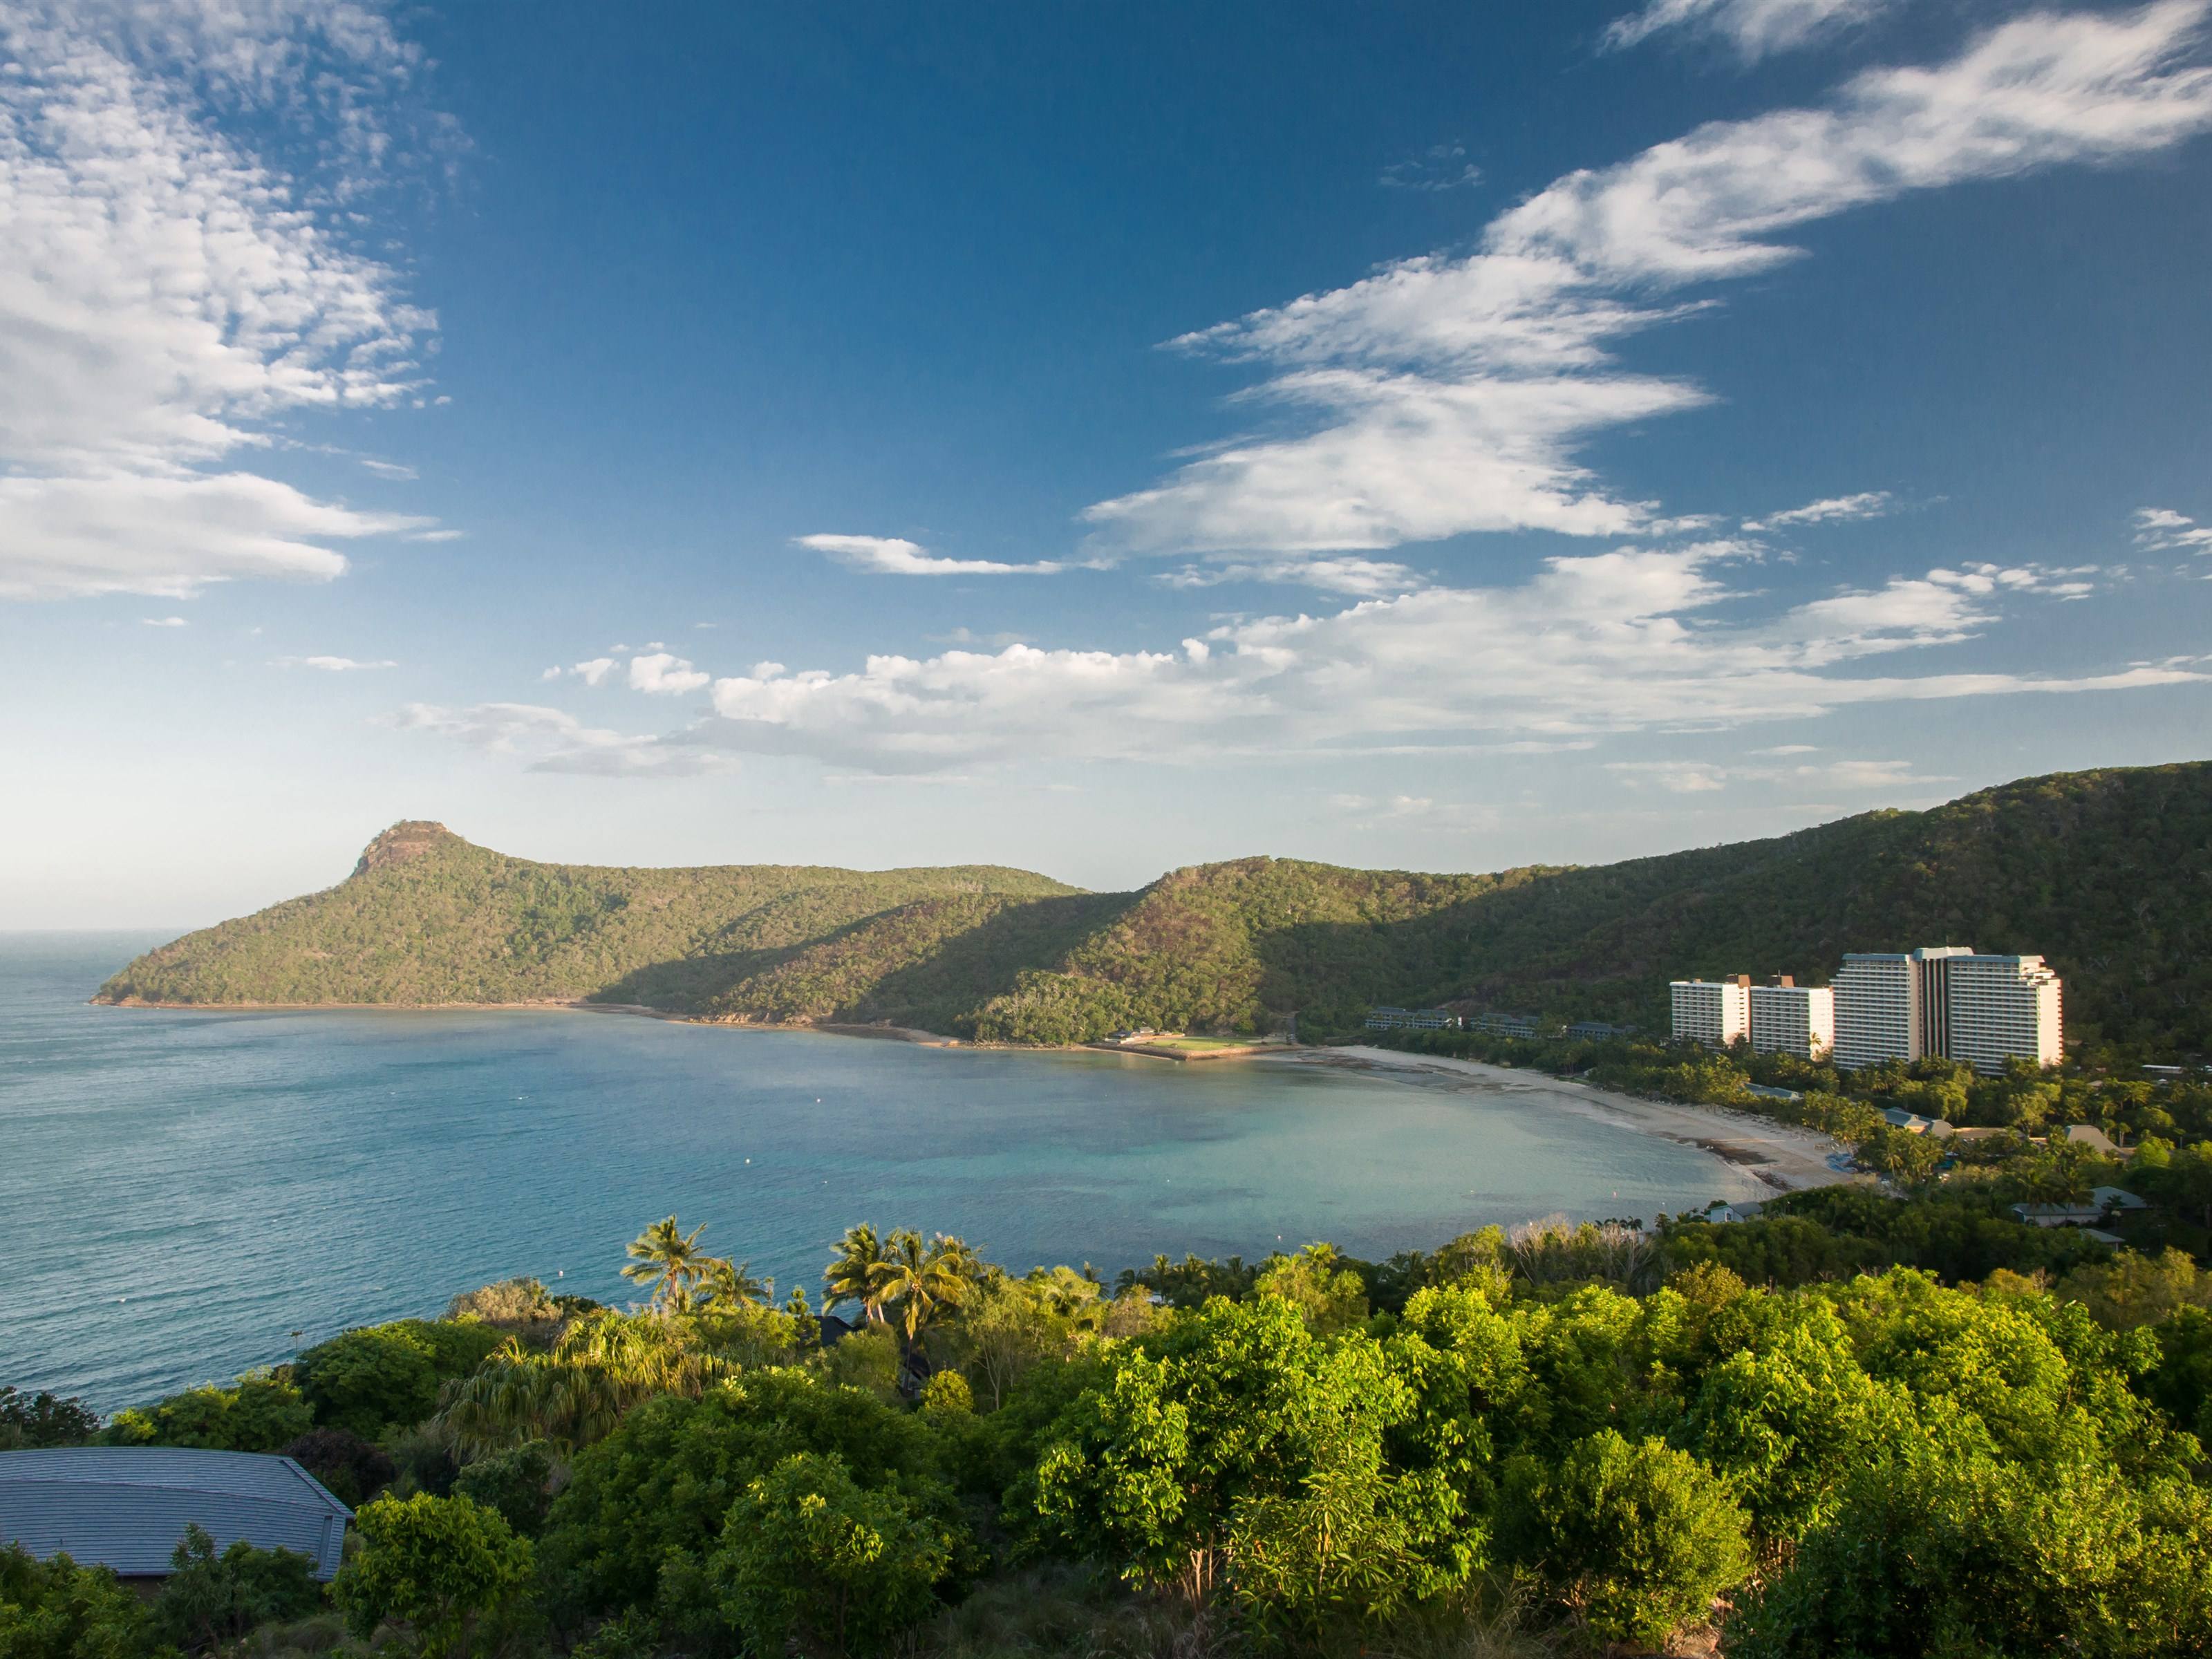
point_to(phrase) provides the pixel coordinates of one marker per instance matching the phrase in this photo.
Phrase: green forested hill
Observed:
(427, 917)
(2108, 874)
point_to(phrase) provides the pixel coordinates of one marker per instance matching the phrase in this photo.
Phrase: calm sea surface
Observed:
(185, 1196)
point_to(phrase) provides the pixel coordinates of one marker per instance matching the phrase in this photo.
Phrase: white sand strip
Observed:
(1779, 1154)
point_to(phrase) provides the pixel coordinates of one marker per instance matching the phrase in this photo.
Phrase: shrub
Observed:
(659, 1487)
(42, 1419)
(382, 1378)
(58, 1610)
(353, 1469)
(1938, 1552)
(514, 1482)
(210, 1600)
(262, 1411)
(808, 1553)
(443, 1566)
(509, 1302)
(1634, 1538)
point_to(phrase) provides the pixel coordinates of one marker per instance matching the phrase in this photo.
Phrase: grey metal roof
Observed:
(126, 1507)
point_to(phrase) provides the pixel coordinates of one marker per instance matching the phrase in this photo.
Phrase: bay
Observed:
(183, 1195)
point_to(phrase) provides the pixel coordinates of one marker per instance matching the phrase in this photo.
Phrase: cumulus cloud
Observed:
(1634, 639)
(1868, 504)
(330, 665)
(2161, 527)
(594, 671)
(661, 673)
(166, 293)
(888, 555)
(551, 740)
(1754, 27)
(1444, 395)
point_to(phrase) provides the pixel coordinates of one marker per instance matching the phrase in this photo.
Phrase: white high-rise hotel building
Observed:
(1945, 999)
(1789, 1018)
(1715, 1012)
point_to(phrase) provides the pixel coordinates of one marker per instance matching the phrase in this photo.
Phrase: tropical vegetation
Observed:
(1801, 1436)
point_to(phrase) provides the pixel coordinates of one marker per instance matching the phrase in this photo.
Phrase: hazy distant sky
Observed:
(1089, 437)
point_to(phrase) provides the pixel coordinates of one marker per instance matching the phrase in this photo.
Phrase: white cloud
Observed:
(553, 741)
(169, 535)
(330, 664)
(888, 556)
(163, 622)
(1754, 27)
(1440, 167)
(389, 469)
(1448, 395)
(595, 670)
(165, 294)
(661, 673)
(1868, 504)
(1631, 640)
(1675, 777)
(552, 673)
(1419, 812)
(2160, 527)
(1341, 573)
(1686, 777)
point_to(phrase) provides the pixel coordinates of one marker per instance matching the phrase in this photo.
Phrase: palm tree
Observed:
(923, 1281)
(669, 1260)
(851, 1274)
(729, 1287)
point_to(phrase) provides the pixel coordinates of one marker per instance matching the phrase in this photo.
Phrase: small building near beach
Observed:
(127, 1507)
(1411, 1020)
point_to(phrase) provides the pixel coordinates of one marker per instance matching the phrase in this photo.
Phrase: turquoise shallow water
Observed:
(183, 1195)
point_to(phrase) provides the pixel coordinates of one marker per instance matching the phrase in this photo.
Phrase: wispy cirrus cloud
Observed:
(1343, 574)
(1868, 504)
(170, 534)
(1445, 395)
(167, 294)
(2160, 528)
(332, 665)
(1694, 777)
(552, 740)
(890, 556)
(1754, 28)
(1439, 167)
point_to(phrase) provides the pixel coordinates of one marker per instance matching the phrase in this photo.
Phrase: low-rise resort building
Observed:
(1411, 1020)
(127, 1507)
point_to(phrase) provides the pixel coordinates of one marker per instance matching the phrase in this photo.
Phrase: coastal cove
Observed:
(186, 1191)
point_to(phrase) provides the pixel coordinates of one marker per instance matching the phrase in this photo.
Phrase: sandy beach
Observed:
(1785, 1158)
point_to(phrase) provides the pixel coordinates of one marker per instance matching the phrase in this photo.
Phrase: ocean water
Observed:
(185, 1196)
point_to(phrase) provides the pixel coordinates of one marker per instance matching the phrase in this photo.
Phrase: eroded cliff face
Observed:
(409, 839)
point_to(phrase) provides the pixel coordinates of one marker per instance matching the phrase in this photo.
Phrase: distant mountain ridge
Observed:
(2106, 873)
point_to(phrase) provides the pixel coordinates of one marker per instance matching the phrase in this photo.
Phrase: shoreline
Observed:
(1781, 1155)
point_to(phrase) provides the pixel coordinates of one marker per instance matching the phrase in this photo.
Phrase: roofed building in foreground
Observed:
(127, 1507)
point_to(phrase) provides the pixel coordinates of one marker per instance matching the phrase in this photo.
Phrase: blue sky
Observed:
(1095, 439)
